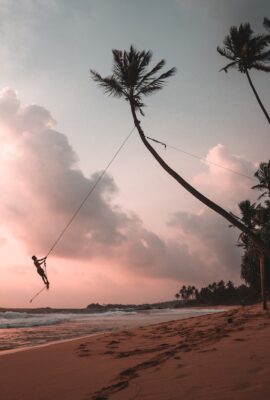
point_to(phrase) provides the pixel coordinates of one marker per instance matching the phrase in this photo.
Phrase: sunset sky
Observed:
(140, 236)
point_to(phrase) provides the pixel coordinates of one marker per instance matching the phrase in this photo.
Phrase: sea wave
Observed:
(34, 328)
(15, 319)
(12, 319)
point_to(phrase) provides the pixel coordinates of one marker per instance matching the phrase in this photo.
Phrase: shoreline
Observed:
(52, 342)
(217, 356)
(21, 331)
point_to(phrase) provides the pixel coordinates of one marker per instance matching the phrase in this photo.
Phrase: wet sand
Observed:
(213, 357)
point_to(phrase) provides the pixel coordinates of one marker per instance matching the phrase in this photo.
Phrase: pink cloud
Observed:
(226, 187)
(44, 186)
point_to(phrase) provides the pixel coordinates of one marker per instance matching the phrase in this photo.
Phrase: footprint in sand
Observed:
(113, 344)
(207, 350)
(104, 393)
(82, 350)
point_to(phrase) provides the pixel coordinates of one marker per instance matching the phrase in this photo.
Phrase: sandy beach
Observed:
(218, 356)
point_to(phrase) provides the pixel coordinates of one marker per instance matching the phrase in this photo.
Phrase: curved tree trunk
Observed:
(209, 203)
(257, 97)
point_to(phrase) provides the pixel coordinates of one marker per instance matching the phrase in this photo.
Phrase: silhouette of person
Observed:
(40, 270)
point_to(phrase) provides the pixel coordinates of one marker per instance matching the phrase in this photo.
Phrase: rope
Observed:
(201, 158)
(36, 295)
(89, 193)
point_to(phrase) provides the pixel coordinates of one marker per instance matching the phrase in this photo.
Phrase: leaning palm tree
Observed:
(246, 51)
(131, 80)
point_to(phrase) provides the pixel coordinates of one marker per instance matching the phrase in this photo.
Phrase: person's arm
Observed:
(42, 260)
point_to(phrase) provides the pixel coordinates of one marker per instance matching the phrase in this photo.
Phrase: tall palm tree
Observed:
(130, 80)
(247, 51)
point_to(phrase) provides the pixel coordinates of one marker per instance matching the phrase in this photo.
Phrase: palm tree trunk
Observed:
(209, 203)
(262, 276)
(257, 97)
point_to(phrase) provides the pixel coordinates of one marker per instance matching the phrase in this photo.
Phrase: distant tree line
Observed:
(217, 293)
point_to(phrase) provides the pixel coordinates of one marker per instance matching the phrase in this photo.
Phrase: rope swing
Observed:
(61, 234)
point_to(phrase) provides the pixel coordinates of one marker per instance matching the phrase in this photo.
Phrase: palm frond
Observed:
(266, 23)
(146, 58)
(109, 84)
(154, 70)
(261, 66)
(118, 68)
(263, 56)
(226, 53)
(147, 90)
(230, 65)
(258, 43)
(157, 83)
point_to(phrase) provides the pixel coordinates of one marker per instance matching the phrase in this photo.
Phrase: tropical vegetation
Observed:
(217, 293)
(257, 217)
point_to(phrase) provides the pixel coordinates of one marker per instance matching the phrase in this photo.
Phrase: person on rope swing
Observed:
(40, 270)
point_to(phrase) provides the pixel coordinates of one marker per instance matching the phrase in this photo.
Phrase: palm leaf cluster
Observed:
(266, 24)
(131, 78)
(263, 175)
(246, 50)
(256, 216)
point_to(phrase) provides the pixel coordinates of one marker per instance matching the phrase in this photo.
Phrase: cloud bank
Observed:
(42, 185)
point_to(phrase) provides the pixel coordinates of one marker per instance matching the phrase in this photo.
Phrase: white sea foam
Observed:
(11, 319)
(31, 329)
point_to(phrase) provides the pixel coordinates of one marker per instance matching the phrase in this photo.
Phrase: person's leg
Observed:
(46, 282)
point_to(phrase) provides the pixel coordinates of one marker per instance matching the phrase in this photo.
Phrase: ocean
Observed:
(20, 330)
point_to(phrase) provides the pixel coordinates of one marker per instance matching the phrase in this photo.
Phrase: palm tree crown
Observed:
(263, 175)
(246, 50)
(131, 78)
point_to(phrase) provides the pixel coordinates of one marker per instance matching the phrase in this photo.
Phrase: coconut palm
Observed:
(246, 51)
(131, 80)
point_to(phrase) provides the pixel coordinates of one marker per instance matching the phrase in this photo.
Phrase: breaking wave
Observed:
(12, 319)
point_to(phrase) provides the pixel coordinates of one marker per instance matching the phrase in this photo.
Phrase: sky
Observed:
(140, 236)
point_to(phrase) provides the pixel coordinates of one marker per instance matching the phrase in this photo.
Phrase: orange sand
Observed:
(213, 357)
